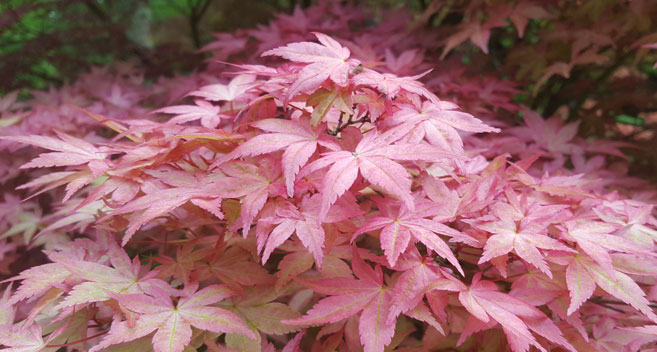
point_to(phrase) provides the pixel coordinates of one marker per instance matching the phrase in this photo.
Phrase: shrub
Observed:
(318, 187)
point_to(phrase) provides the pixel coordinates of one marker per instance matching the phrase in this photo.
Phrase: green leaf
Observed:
(630, 120)
(242, 343)
(267, 318)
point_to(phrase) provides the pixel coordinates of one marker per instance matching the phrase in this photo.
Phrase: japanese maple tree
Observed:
(323, 189)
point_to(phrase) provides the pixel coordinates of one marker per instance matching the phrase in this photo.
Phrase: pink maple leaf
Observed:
(638, 336)
(367, 295)
(452, 203)
(255, 184)
(210, 115)
(549, 135)
(405, 62)
(234, 269)
(68, 151)
(326, 60)
(583, 275)
(305, 222)
(477, 32)
(298, 140)
(205, 191)
(632, 217)
(486, 304)
(74, 181)
(225, 45)
(373, 157)
(182, 266)
(595, 238)
(439, 122)
(420, 275)
(300, 260)
(160, 203)
(39, 279)
(523, 235)
(232, 91)
(173, 323)
(125, 276)
(609, 336)
(391, 85)
(400, 225)
(22, 338)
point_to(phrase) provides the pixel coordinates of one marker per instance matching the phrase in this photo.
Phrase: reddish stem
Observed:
(78, 341)
(508, 277)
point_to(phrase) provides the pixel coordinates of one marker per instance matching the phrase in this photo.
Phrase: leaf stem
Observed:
(78, 341)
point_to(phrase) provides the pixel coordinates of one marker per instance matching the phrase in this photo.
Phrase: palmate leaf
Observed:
(323, 100)
(524, 241)
(183, 265)
(298, 140)
(523, 12)
(306, 224)
(438, 124)
(209, 114)
(237, 87)
(172, 324)
(583, 275)
(74, 181)
(39, 279)
(348, 297)
(267, 317)
(300, 260)
(255, 183)
(239, 179)
(399, 227)
(67, 151)
(100, 280)
(234, 268)
(419, 276)
(477, 32)
(22, 339)
(596, 239)
(484, 301)
(391, 85)
(326, 60)
(373, 158)
(261, 314)
(154, 205)
(633, 218)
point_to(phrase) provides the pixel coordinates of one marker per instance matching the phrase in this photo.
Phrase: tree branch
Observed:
(96, 10)
(195, 16)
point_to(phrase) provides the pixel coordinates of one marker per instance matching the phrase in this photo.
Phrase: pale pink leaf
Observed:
(580, 285)
(375, 331)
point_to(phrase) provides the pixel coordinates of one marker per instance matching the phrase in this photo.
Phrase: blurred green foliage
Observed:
(49, 42)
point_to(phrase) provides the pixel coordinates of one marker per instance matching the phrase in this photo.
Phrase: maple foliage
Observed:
(173, 323)
(326, 190)
(328, 59)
